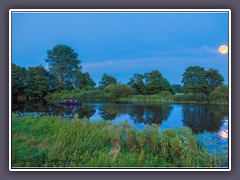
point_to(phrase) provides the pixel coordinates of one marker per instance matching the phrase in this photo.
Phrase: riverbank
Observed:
(163, 97)
(58, 142)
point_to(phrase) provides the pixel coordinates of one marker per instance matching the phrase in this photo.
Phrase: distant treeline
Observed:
(63, 79)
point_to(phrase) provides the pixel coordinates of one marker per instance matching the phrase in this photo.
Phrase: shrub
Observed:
(165, 93)
(189, 97)
(179, 97)
(220, 94)
(119, 90)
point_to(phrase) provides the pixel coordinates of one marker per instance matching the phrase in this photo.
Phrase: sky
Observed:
(121, 44)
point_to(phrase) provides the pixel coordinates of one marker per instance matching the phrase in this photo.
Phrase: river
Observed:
(209, 123)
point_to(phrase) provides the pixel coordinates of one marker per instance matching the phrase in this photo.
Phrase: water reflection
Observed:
(30, 106)
(202, 118)
(70, 110)
(153, 115)
(138, 114)
(199, 118)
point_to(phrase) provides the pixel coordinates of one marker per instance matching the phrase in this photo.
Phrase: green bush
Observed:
(119, 90)
(219, 95)
(179, 97)
(200, 97)
(95, 94)
(165, 93)
(189, 97)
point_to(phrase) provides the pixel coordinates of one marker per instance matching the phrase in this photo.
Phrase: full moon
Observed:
(223, 49)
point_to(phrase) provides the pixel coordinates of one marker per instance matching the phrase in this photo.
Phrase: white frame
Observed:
(118, 11)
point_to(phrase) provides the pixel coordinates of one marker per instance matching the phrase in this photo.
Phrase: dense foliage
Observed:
(83, 80)
(119, 90)
(19, 75)
(177, 88)
(219, 95)
(149, 83)
(156, 83)
(200, 82)
(137, 83)
(37, 82)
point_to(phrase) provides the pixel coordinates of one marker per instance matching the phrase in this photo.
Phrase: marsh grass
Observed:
(58, 142)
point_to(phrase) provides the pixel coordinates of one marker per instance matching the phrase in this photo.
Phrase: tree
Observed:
(107, 80)
(155, 83)
(200, 82)
(194, 80)
(84, 80)
(137, 83)
(177, 88)
(19, 75)
(37, 82)
(214, 79)
(63, 62)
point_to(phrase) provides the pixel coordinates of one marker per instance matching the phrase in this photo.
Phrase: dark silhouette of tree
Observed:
(37, 82)
(107, 80)
(155, 83)
(194, 80)
(83, 80)
(137, 83)
(63, 62)
(214, 79)
(19, 77)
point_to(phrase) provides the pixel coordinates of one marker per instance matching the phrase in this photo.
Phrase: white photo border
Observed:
(11, 11)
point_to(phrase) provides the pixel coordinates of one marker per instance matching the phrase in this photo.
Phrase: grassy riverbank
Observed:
(58, 142)
(163, 97)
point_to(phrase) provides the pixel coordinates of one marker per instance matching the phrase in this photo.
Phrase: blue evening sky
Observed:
(121, 44)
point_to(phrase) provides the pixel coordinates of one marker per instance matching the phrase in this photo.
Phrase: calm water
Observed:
(208, 122)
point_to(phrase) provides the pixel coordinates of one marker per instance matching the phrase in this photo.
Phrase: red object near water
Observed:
(70, 102)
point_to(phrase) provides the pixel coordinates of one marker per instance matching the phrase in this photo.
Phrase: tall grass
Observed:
(58, 142)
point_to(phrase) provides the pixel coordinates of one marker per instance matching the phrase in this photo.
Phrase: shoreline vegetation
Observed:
(53, 141)
(163, 97)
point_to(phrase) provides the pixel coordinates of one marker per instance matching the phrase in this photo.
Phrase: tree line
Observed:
(64, 72)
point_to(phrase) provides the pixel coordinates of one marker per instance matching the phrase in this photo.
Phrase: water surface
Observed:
(208, 122)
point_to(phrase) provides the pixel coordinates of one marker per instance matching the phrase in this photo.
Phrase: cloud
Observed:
(186, 51)
(92, 65)
(156, 61)
(202, 49)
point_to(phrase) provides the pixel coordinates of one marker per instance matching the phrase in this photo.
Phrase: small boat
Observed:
(70, 102)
